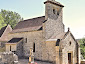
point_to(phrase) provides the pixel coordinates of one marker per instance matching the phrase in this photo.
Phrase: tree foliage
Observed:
(2, 24)
(10, 17)
(82, 47)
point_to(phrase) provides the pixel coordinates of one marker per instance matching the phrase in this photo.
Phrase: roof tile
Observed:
(14, 40)
(29, 24)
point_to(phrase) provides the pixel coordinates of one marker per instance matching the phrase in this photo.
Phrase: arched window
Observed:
(26, 40)
(10, 48)
(54, 11)
(57, 42)
(33, 47)
(70, 43)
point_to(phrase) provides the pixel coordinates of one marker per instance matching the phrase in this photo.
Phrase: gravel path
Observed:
(25, 61)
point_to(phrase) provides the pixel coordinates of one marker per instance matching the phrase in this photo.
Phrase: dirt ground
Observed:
(25, 61)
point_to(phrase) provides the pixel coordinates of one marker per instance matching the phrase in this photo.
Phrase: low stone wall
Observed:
(8, 58)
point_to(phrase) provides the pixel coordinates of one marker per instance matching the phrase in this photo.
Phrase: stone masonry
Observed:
(49, 40)
(32, 37)
(8, 58)
(54, 22)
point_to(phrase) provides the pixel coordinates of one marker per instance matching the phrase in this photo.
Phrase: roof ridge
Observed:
(31, 24)
(27, 27)
(55, 3)
(32, 18)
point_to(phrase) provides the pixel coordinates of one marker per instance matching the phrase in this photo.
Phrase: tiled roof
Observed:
(14, 40)
(29, 24)
(2, 30)
(60, 36)
(54, 2)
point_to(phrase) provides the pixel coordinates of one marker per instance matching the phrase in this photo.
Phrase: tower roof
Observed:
(54, 2)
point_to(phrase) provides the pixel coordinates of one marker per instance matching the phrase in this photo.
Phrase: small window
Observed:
(58, 11)
(57, 42)
(33, 47)
(10, 48)
(26, 40)
(70, 43)
(54, 11)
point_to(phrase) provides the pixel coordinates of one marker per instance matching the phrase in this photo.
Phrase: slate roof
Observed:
(29, 24)
(2, 30)
(14, 40)
(54, 2)
(60, 36)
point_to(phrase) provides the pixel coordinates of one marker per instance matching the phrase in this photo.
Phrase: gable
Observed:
(4, 33)
(68, 41)
(70, 35)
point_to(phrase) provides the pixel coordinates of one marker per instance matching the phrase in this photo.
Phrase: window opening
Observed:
(33, 47)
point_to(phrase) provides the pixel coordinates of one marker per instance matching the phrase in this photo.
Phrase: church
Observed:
(46, 36)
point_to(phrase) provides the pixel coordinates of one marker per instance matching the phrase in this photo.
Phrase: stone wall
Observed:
(19, 49)
(32, 37)
(50, 52)
(59, 54)
(54, 24)
(8, 58)
(68, 45)
(13, 47)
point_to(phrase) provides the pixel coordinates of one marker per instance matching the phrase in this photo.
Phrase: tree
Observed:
(82, 47)
(11, 18)
(2, 24)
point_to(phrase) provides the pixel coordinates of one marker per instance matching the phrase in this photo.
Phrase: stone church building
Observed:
(46, 36)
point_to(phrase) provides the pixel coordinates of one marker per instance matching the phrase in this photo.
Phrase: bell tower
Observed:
(53, 16)
(52, 9)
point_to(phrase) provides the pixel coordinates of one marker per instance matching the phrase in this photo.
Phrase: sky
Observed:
(73, 12)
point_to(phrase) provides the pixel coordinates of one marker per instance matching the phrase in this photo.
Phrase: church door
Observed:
(69, 58)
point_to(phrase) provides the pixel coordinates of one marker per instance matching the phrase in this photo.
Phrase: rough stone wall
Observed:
(54, 24)
(51, 52)
(13, 47)
(19, 49)
(8, 58)
(32, 37)
(68, 48)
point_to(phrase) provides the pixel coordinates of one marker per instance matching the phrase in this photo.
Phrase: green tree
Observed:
(82, 47)
(2, 24)
(10, 17)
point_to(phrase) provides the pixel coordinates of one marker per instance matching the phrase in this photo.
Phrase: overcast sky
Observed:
(73, 12)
